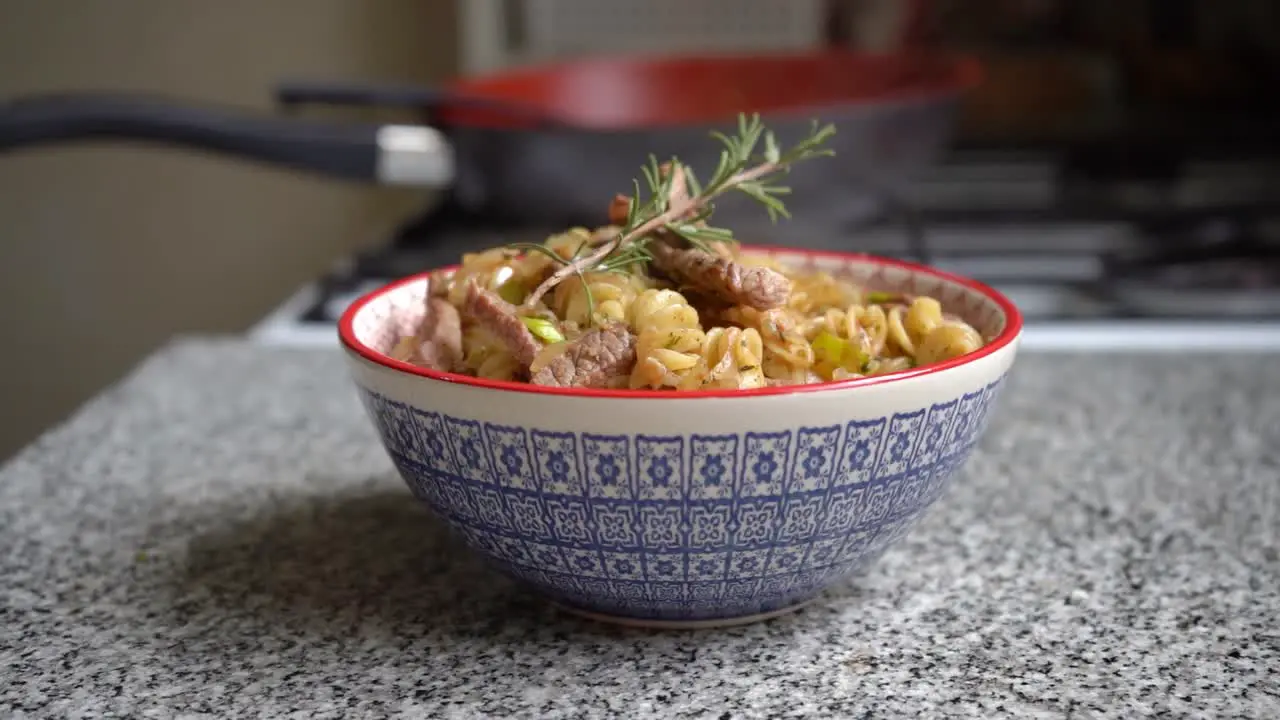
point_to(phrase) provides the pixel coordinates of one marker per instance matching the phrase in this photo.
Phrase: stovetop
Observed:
(1143, 263)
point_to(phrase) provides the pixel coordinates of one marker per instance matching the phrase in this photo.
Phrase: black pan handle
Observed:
(390, 154)
(295, 93)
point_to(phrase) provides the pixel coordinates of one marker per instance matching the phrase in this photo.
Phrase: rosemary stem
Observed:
(679, 205)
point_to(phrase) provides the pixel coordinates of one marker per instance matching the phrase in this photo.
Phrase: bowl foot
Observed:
(706, 624)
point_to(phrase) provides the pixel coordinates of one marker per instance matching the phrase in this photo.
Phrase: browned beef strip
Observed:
(438, 283)
(591, 360)
(720, 277)
(619, 208)
(440, 336)
(500, 316)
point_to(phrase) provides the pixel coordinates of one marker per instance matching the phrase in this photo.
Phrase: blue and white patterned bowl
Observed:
(692, 508)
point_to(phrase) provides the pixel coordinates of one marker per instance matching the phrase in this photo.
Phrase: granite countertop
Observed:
(220, 535)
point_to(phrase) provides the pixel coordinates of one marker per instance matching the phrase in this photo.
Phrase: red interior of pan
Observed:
(619, 93)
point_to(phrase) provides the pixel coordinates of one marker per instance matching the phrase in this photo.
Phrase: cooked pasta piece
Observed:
(669, 341)
(922, 316)
(884, 365)
(491, 269)
(897, 333)
(787, 356)
(873, 321)
(485, 355)
(565, 245)
(818, 292)
(732, 359)
(946, 341)
(596, 298)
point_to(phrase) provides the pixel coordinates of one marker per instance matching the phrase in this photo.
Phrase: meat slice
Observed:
(437, 341)
(438, 283)
(491, 311)
(721, 277)
(619, 208)
(592, 360)
(440, 335)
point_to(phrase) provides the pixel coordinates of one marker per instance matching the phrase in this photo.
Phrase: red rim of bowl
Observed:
(1012, 327)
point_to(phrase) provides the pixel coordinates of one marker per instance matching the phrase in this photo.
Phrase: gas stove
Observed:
(1174, 263)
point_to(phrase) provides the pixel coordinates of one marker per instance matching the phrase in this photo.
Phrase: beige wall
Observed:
(106, 252)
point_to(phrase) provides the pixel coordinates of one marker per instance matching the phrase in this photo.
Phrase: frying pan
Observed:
(551, 144)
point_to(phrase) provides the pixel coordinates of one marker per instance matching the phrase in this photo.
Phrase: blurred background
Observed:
(1115, 171)
(110, 249)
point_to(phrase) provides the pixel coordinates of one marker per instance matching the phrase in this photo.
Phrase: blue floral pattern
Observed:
(862, 441)
(677, 527)
(469, 449)
(615, 526)
(661, 474)
(509, 449)
(608, 466)
(556, 458)
(815, 458)
(764, 464)
(713, 461)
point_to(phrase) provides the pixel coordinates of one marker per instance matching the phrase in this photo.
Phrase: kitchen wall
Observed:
(105, 252)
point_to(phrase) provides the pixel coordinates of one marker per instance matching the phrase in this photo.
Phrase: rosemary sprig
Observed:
(551, 253)
(678, 203)
(563, 262)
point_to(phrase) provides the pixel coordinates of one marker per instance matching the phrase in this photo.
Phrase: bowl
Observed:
(685, 509)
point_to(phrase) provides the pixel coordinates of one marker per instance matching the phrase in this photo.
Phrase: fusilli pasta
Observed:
(596, 298)
(484, 355)
(732, 359)
(818, 292)
(787, 356)
(669, 341)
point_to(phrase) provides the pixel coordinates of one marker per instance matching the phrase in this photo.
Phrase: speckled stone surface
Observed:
(221, 536)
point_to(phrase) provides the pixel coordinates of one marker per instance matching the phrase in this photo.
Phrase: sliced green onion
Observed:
(828, 347)
(543, 329)
(855, 358)
(878, 297)
(513, 291)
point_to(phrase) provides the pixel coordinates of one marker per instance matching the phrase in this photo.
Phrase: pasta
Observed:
(596, 298)
(732, 358)
(820, 291)
(787, 357)
(669, 341)
(492, 269)
(484, 355)
(566, 245)
(660, 334)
